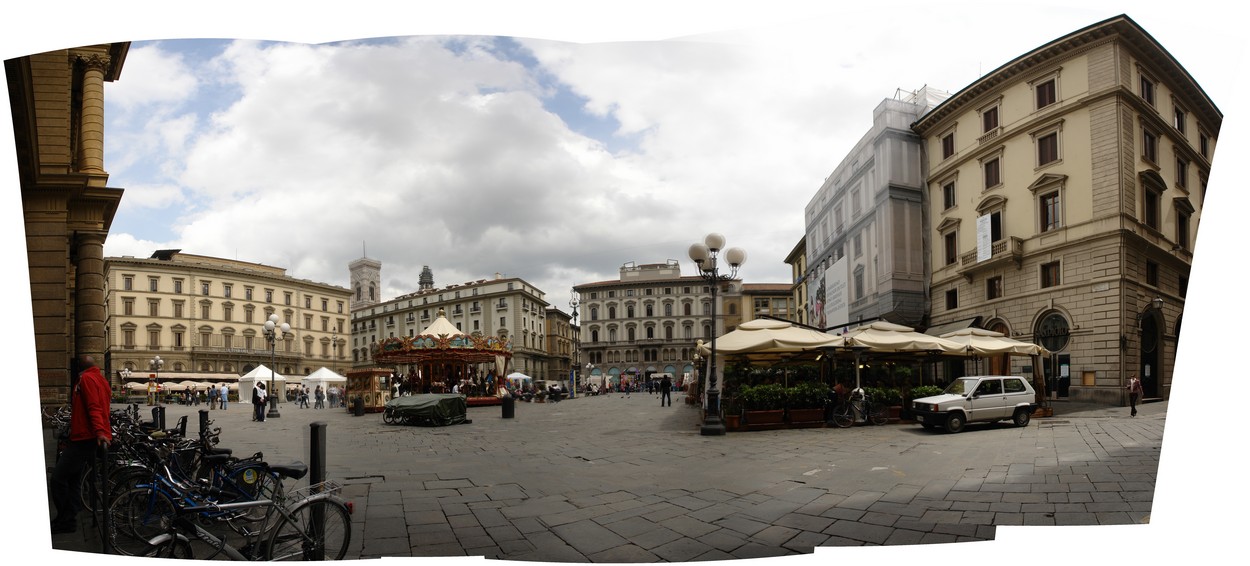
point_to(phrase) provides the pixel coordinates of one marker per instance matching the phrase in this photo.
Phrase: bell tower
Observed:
(366, 276)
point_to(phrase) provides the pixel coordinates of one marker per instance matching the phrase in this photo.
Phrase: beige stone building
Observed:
(797, 260)
(647, 321)
(57, 103)
(1066, 188)
(561, 335)
(502, 306)
(204, 317)
(755, 300)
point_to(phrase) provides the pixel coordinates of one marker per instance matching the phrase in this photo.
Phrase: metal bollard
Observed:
(160, 418)
(203, 422)
(316, 475)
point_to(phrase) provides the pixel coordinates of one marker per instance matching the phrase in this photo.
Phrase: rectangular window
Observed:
(307, 302)
(1152, 274)
(177, 339)
(154, 307)
(1048, 148)
(178, 286)
(859, 245)
(996, 225)
(1150, 208)
(948, 145)
(247, 293)
(204, 288)
(204, 311)
(1204, 145)
(1182, 172)
(308, 321)
(227, 313)
(268, 295)
(340, 303)
(128, 307)
(1050, 274)
(1149, 146)
(989, 120)
(952, 299)
(951, 248)
(992, 178)
(994, 287)
(1178, 120)
(128, 283)
(226, 289)
(128, 338)
(503, 322)
(325, 305)
(1148, 90)
(1046, 94)
(948, 195)
(153, 283)
(178, 309)
(1049, 206)
(247, 314)
(1182, 230)
(287, 296)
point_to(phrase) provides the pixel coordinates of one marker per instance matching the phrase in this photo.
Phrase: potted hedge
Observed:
(733, 412)
(763, 404)
(805, 402)
(891, 397)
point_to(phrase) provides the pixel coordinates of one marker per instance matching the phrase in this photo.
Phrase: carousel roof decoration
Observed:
(442, 340)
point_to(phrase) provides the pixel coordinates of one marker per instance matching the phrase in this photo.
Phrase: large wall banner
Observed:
(828, 295)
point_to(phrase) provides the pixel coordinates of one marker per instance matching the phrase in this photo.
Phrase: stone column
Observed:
(89, 311)
(91, 134)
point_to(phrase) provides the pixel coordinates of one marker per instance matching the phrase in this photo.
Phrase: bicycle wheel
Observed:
(844, 415)
(878, 413)
(122, 480)
(136, 517)
(316, 530)
(88, 489)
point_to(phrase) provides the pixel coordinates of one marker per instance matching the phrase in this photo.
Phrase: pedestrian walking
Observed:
(1134, 393)
(258, 402)
(666, 388)
(212, 397)
(90, 432)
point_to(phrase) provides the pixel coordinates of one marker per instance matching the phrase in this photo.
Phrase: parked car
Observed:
(987, 398)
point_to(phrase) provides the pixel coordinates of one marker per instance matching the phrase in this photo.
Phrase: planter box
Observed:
(765, 418)
(733, 422)
(807, 415)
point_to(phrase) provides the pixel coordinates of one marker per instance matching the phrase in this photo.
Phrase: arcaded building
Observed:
(1065, 191)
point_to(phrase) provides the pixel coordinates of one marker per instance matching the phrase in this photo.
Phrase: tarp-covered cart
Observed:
(429, 409)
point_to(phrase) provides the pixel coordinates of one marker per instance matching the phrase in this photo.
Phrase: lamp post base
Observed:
(712, 425)
(273, 410)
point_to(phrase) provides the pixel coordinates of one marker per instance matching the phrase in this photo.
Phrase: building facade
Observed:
(1067, 187)
(797, 260)
(204, 317)
(57, 103)
(646, 322)
(865, 231)
(503, 306)
(560, 342)
(756, 300)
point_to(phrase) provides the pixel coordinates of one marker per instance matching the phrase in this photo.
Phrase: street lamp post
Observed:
(589, 367)
(573, 304)
(155, 364)
(125, 374)
(334, 349)
(273, 332)
(706, 258)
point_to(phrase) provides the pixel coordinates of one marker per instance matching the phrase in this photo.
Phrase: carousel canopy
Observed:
(442, 341)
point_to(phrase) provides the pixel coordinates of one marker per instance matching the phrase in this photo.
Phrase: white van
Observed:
(987, 398)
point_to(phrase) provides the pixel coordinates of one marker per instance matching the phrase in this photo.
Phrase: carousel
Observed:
(442, 357)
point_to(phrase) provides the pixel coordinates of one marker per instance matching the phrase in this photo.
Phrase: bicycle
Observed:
(312, 523)
(860, 408)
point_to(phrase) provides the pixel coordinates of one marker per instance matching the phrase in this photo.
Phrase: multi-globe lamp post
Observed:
(573, 367)
(706, 257)
(273, 333)
(155, 364)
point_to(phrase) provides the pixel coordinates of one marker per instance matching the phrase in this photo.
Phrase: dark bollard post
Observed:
(160, 418)
(316, 475)
(203, 422)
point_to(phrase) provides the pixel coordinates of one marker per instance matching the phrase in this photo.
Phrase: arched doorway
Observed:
(1150, 364)
(1053, 332)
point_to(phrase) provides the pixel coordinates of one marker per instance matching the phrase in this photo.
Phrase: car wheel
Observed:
(1021, 418)
(954, 422)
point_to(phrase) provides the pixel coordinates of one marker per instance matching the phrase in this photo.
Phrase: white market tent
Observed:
(261, 374)
(325, 377)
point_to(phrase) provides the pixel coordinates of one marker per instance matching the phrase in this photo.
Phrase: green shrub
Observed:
(807, 395)
(925, 391)
(767, 397)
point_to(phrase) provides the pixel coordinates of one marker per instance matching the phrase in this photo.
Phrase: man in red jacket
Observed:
(89, 432)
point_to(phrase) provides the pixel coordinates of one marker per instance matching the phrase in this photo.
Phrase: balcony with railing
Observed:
(1007, 250)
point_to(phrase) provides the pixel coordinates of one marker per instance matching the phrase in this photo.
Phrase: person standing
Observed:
(224, 395)
(1134, 393)
(212, 397)
(151, 392)
(258, 402)
(666, 388)
(321, 398)
(89, 432)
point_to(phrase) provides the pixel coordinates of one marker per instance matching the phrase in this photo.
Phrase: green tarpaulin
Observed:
(429, 409)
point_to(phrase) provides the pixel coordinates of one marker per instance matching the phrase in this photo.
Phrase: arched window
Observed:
(707, 331)
(611, 312)
(629, 311)
(668, 333)
(611, 335)
(650, 310)
(686, 309)
(594, 313)
(372, 292)
(630, 333)
(733, 308)
(594, 335)
(668, 309)
(650, 332)
(358, 292)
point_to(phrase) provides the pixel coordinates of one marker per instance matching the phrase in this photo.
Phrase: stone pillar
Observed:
(89, 311)
(91, 136)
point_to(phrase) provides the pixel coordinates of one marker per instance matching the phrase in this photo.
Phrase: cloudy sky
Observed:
(554, 161)
(555, 141)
